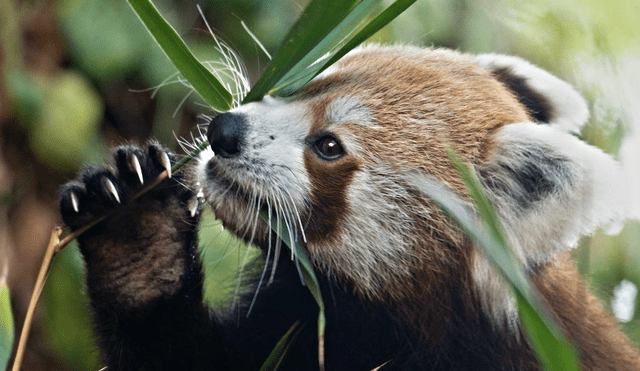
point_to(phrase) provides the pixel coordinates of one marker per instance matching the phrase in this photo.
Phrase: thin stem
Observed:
(35, 295)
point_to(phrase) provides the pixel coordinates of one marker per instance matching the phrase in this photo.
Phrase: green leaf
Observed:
(371, 28)
(322, 31)
(553, 351)
(200, 78)
(316, 21)
(305, 68)
(309, 277)
(189, 156)
(280, 350)
(339, 42)
(6, 326)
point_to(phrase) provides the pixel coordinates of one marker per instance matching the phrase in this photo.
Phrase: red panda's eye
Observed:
(328, 148)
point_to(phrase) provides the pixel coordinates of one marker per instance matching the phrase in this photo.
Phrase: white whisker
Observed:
(246, 255)
(175, 112)
(276, 256)
(297, 214)
(156, 88)
(255, 39)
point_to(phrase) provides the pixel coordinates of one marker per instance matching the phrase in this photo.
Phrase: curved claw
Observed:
(166, 163)
(75, 202)
(192, 204)
(111, 189)
(135, 163)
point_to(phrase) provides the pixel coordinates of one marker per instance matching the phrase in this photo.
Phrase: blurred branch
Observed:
(44, 269)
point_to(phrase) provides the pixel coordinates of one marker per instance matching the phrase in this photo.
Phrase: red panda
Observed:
(403, 287)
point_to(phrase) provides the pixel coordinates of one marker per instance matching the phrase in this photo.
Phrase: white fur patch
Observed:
(270, 168)
(374, 246)
(587, 192)
(570, 111)
(349, 109)
(590, 194)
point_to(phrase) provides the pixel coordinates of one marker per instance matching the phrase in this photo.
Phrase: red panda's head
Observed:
(330, 163)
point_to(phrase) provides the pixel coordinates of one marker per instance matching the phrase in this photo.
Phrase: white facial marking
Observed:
(376, 236)
(270, 167)
(349, 108)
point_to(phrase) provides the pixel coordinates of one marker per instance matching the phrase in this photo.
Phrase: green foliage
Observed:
(202, 80)
(553, 350)
(223, 256)
(6, 324)
(325, 32)
(280, 350)
(367, 31)
(67, 124)
(324, 27)
(104, 38)
(68, 325)
(316, 22)
(309, 276)
(342, 39)
(62, 114)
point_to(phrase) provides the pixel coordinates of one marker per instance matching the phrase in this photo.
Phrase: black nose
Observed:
(226, 134)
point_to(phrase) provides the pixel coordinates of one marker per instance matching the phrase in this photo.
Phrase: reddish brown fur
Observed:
(423, 103)
(329, 182)
(596, 334)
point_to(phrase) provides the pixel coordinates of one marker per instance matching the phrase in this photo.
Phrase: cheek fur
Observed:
(329, 182)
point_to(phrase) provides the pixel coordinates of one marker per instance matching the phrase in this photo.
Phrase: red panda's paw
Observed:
(103, 189)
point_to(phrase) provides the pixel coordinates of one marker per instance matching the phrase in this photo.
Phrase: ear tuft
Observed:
(549, 189)
(548, 99)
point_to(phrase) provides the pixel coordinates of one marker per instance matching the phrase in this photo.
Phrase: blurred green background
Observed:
(77, 76)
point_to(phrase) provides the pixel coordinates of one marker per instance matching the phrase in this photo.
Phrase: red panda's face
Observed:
(328, 162)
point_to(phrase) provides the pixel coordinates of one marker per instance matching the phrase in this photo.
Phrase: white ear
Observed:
(550, 188)
(549, 99)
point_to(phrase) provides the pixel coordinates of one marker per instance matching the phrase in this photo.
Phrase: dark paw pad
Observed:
(99, 190)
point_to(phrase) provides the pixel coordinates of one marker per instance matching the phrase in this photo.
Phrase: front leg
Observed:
(143, 275)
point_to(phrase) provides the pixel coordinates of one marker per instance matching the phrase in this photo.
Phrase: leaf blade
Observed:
(371, 28)
(553, 351)
(288, 86)
(315, 22)
(280, 350)
(7, 327)
(200, 78)
(310, 280)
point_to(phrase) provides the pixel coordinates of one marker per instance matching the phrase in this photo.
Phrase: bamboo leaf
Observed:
(553, 351)
(294, 78)
(6, 326)
(310, 280)
(280, 350)
(371, 28)
(315, 22)
(338, 44)
(200, 78)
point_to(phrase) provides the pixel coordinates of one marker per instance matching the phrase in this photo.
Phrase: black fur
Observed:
(531, 180)
(176, 331)
(539, 107)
